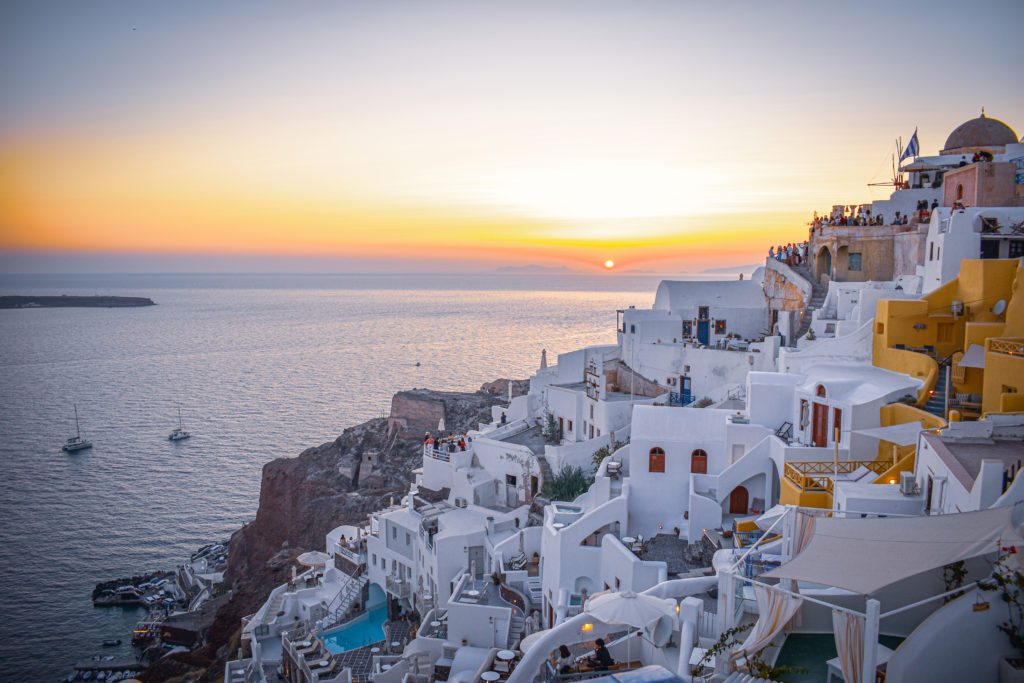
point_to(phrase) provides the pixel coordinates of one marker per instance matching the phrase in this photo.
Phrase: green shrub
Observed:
(552, 434)
(604, 451)
(567, 484)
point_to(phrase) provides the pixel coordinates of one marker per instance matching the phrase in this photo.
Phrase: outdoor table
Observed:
(490, 676)
(559, 525)
(375, 650)
(324, 662)
(628, 540)
(435, 624)
(506, 655)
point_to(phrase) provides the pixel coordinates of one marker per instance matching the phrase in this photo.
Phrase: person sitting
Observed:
(566, 662)
(601, 659)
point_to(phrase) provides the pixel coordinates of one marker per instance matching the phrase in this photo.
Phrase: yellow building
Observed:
(984, 308)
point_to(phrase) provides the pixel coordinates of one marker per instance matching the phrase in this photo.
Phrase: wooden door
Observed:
(738, 500)
(819, 429)
(699, 462)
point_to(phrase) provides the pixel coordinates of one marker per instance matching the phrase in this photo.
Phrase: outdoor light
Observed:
(587, 627)
(892, 481)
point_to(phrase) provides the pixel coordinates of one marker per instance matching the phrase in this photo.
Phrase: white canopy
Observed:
(628, 607)
(531, 640)
(902, 434)
(974, 358)
(771, 516)
(865, 555)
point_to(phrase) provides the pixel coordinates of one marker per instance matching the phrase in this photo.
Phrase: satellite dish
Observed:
(1000, 307)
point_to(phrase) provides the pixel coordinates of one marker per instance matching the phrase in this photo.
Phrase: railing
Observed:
(430, 452)
(354, 556)
(1008, 346)
(816, 476)
(680, 399)
(707, 624)
(399, 587)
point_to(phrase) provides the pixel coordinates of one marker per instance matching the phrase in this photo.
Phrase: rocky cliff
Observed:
(339, 482)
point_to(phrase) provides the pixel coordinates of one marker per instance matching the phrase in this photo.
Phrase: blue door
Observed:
(703, 327)
(684, 390)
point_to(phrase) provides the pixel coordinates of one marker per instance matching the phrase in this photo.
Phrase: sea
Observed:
(262, 367)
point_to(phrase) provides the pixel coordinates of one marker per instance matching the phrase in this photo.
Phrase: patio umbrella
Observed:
(626, 607)
(440, 424)
(314, 558)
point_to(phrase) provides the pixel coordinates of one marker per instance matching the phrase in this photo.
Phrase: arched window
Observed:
(699, 462)
(656, 460)
(821, 390)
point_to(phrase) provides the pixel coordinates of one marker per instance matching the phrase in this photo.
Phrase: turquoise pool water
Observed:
(367, 629)
(364, 630)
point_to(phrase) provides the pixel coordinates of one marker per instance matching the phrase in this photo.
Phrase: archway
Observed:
(823, 264)
(738, 501)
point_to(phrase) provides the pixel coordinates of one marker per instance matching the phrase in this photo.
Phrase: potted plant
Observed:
(536, 558)
(1008, 582)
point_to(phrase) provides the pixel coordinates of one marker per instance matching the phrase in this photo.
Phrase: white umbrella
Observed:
(633, 609)
(440, 424)
(314, 558)
(770, 516)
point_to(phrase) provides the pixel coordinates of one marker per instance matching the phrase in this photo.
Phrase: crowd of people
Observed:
(790, 254)
(448, 443)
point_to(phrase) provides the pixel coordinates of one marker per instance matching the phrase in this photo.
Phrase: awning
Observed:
(866, 555)
(902, 434)
(974, 358)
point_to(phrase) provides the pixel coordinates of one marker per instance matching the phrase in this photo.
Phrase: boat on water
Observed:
(76, 443)
(179, 432)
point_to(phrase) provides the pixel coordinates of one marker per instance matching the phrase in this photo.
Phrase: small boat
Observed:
(76, 443)
(179, 433)
(111, 643)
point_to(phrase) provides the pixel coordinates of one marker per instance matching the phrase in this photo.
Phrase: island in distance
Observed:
(65, 301)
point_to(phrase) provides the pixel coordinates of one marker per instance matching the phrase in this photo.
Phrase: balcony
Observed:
(397, 587)
(817, 476)
(1007, 345)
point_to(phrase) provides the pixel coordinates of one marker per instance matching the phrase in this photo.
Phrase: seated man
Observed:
(601, 658)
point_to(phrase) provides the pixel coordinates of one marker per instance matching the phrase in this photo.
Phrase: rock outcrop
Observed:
(339, 482)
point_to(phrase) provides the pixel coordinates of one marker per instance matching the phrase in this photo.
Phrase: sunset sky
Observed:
(434, 135)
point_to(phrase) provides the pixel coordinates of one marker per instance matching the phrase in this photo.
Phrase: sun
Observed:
(609, 264)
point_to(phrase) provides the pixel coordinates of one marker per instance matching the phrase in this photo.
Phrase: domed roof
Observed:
(981, 132)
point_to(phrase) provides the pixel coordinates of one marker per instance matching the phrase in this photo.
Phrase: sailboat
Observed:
(76, 443)
(179, 433)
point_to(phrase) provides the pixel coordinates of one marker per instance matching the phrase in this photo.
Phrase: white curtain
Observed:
(849, 630)
(776, 608)
(803, 529)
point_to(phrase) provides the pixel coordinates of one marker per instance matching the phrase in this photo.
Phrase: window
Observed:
(510, 479)
(408, 538)
(704, 312)
(570, 425)
(374, 560)
(821, 390)
(394, 532)
(656, 460)
(804, 413)
(959, 191)
(719, 327)
(879, 328)
(699, 462)
(687, 328)
(938, 253)
(632, 329)
(931, 251)
(1016, 248)
(854, 261)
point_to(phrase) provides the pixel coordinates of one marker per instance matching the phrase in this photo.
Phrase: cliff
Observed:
(339, 482)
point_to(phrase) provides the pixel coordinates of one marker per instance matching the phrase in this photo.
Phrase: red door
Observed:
(819, 431)
(699, 462)
(738, 500)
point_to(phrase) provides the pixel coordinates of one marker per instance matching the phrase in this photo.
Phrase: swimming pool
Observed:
(571, 509)
(366, 629)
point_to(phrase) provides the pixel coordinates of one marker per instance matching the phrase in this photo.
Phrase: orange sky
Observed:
(450, 134)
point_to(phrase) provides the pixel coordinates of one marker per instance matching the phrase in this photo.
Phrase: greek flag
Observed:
(912, 149)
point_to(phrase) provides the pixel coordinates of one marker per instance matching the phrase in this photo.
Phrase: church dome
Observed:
(980, 132)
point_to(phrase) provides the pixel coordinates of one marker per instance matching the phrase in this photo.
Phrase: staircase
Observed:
(937, 401)
(535, 591)
(545, 470)
(273, 608)
(516, 628)
(818, 293)
(347, 596)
